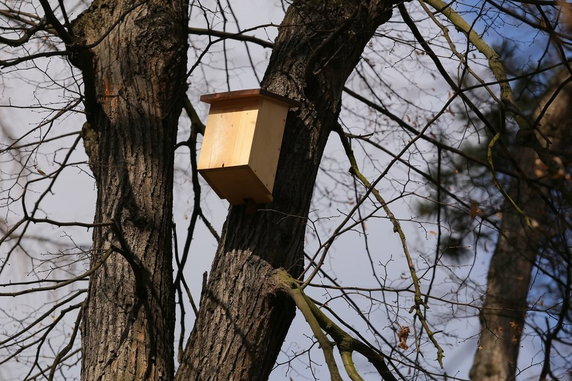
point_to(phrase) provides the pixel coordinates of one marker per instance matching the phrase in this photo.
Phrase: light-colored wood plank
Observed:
(237, 184)
(228, 136)
(268, 141)
(242, 143)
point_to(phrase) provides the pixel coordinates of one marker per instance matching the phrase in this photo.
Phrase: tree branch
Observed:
(320, 322)
(235, 36)
(291, 287)
(397, 229)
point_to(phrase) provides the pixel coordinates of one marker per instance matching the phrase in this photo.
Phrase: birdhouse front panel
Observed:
(241, 144)
(228, 137)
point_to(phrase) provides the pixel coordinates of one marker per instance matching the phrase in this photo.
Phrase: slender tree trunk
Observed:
(242, 319)
(504, 311)
(133, 68)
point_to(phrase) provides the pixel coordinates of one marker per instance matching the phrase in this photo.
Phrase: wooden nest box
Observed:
(241, 144)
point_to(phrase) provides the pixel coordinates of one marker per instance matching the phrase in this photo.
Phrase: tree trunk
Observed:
(243, 319)
(504, 311)
(133, 62)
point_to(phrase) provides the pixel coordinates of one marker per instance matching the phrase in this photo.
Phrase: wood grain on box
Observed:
(241, 145)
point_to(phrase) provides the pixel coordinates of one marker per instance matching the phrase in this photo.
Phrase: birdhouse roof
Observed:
(246, 94)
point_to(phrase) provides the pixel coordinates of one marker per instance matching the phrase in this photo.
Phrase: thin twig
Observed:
(418, 300)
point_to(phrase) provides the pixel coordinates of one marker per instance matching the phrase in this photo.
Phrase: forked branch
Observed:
(418, 303)
(321, 325)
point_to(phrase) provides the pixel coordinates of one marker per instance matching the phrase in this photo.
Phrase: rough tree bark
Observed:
(133, 59)
(243, 319)
(504, 310)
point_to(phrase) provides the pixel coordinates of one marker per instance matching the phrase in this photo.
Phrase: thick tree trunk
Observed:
(242, 319)
(134, 74)
(504, 311)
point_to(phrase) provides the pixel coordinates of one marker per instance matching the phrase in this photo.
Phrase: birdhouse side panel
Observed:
(268, 141)
(228, 136)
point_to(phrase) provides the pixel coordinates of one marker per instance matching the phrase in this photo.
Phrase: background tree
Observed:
(535, 202)
(122, 67)
(539, 227)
